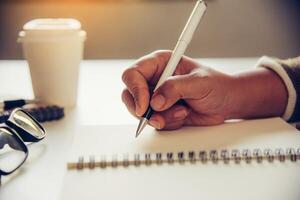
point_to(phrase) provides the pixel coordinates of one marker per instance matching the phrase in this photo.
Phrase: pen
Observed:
(183, 41)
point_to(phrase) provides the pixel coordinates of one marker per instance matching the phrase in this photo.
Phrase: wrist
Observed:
(257, 94)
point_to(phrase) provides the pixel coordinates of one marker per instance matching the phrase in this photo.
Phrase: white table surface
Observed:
(99, 102)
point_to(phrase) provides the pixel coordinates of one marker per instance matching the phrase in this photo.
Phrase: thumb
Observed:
(173, 89)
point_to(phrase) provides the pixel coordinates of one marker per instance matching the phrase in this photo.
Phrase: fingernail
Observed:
(155, 124)
(138, 112)
(158, 101)
(138, 109)
(181, 113)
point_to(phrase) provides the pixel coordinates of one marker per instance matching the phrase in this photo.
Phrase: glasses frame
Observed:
(21, 136)
(22, 145)
(25, 135)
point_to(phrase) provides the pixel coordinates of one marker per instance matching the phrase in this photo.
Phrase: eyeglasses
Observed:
(20, 127)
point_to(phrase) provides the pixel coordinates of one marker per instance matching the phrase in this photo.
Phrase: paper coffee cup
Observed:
(53, 49)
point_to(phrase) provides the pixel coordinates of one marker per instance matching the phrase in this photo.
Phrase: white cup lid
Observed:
(50, 28)
(52, 24)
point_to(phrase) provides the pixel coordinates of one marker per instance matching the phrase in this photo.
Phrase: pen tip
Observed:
(141, 126)
(137, 134)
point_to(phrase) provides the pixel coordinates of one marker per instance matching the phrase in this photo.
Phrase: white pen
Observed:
(183, 41)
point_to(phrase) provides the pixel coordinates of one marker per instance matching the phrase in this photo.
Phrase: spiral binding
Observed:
(203, 156)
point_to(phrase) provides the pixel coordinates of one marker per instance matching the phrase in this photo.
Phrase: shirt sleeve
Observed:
(289, 71)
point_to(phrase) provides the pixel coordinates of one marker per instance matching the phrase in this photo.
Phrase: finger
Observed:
(128, 101)
(173, 89)
(138, 88)
(136, 78)
(162, 120)
(148, 70)
(152, 65)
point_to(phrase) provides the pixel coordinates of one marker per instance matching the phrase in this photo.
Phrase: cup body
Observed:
(54, 56)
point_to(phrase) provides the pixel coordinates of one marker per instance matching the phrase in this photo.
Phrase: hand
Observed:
(204, 90)
(210, 96)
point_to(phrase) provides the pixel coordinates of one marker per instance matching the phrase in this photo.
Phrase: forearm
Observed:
(258, 93)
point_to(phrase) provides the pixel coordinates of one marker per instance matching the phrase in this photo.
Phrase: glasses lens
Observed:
(12, 152)
(24, 121)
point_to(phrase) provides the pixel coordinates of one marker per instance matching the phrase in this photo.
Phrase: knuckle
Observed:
(137, 90)
(124, 95)
(200, 73)
(162, 56)
(196, 74)
(199, 77)
(170, 85)
(159, 53)
(126, 74)
(146, 62)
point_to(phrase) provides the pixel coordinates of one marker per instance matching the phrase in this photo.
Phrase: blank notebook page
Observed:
(185, 181)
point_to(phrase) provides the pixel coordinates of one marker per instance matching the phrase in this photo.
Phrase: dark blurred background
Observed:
(131, 28)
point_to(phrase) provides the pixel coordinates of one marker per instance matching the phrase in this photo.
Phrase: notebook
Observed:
(253, 159)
